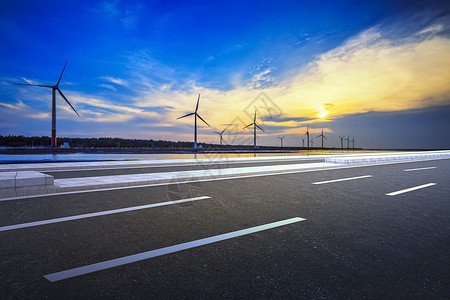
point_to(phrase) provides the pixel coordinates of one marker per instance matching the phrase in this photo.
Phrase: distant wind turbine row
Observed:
(255, 126)
(56, 88)
(221, 133)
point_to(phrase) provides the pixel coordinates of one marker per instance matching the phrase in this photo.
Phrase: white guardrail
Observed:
(386, 158)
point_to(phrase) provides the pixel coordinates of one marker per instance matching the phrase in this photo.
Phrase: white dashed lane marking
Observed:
(419, 169)
(342, 179)
(96, 214)
(163, 251)
(411, 189)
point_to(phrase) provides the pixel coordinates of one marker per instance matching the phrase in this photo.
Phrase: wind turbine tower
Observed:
(353, 141)
(195, 121)
(321, 135)
(348, 142)
(342, 142)
(281, 140)
(307, 136)
(254, 130)
(303, 140)
(220, 133)
(312, 143)
(54, 89)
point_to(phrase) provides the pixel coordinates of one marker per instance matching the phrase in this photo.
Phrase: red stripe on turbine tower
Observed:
(54, 143)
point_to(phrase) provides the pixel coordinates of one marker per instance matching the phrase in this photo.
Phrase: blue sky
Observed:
(376, 70)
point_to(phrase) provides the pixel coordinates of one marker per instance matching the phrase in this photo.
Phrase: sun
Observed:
(322, 114)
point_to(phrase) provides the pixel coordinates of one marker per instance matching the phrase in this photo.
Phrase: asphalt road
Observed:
(356, 241)
(203, 166)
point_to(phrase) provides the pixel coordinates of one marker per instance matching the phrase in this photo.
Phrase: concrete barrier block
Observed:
(7, 180)
(49, 180)
(29, 178)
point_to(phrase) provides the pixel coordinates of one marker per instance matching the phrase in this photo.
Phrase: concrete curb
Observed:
(161, 178)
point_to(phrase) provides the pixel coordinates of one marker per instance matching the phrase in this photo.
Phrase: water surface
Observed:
(4, 158)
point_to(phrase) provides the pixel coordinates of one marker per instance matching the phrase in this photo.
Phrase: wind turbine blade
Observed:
(198, 100)
(217, 132)
(325, 137)
(33, 85)
(223, 131)
(61, 73)
(186, 115)
(248, 125)
(203, 120)
(259, 127)
(254, 119)
(62, 95)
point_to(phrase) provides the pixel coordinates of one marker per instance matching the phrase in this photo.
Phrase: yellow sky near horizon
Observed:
(366, 73)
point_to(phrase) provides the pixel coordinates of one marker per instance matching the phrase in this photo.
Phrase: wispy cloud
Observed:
(29, 81)
(369, 72)
(39, 115)
(432, 29)
(115, 80)
(108, 86)
(373, 73)
(18, 105)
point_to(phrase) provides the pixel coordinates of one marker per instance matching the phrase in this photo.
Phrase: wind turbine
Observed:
(348, 142)
(54, 89)
(220, 133)
(342, 142)
(312, 143)
(195, 121)
(303, 139)
(254, 130)
(281, 140)
(307, 136)
(321, 135)
(353, 141)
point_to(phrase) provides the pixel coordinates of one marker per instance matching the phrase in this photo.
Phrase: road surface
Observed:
(366, 232)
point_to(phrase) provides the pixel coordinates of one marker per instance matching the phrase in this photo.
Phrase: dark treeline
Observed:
(103, 142)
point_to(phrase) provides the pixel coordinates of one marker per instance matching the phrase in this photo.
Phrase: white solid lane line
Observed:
(163, 251)
(410, 189)
(96, 214)
(342, 179)
(418, 169)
